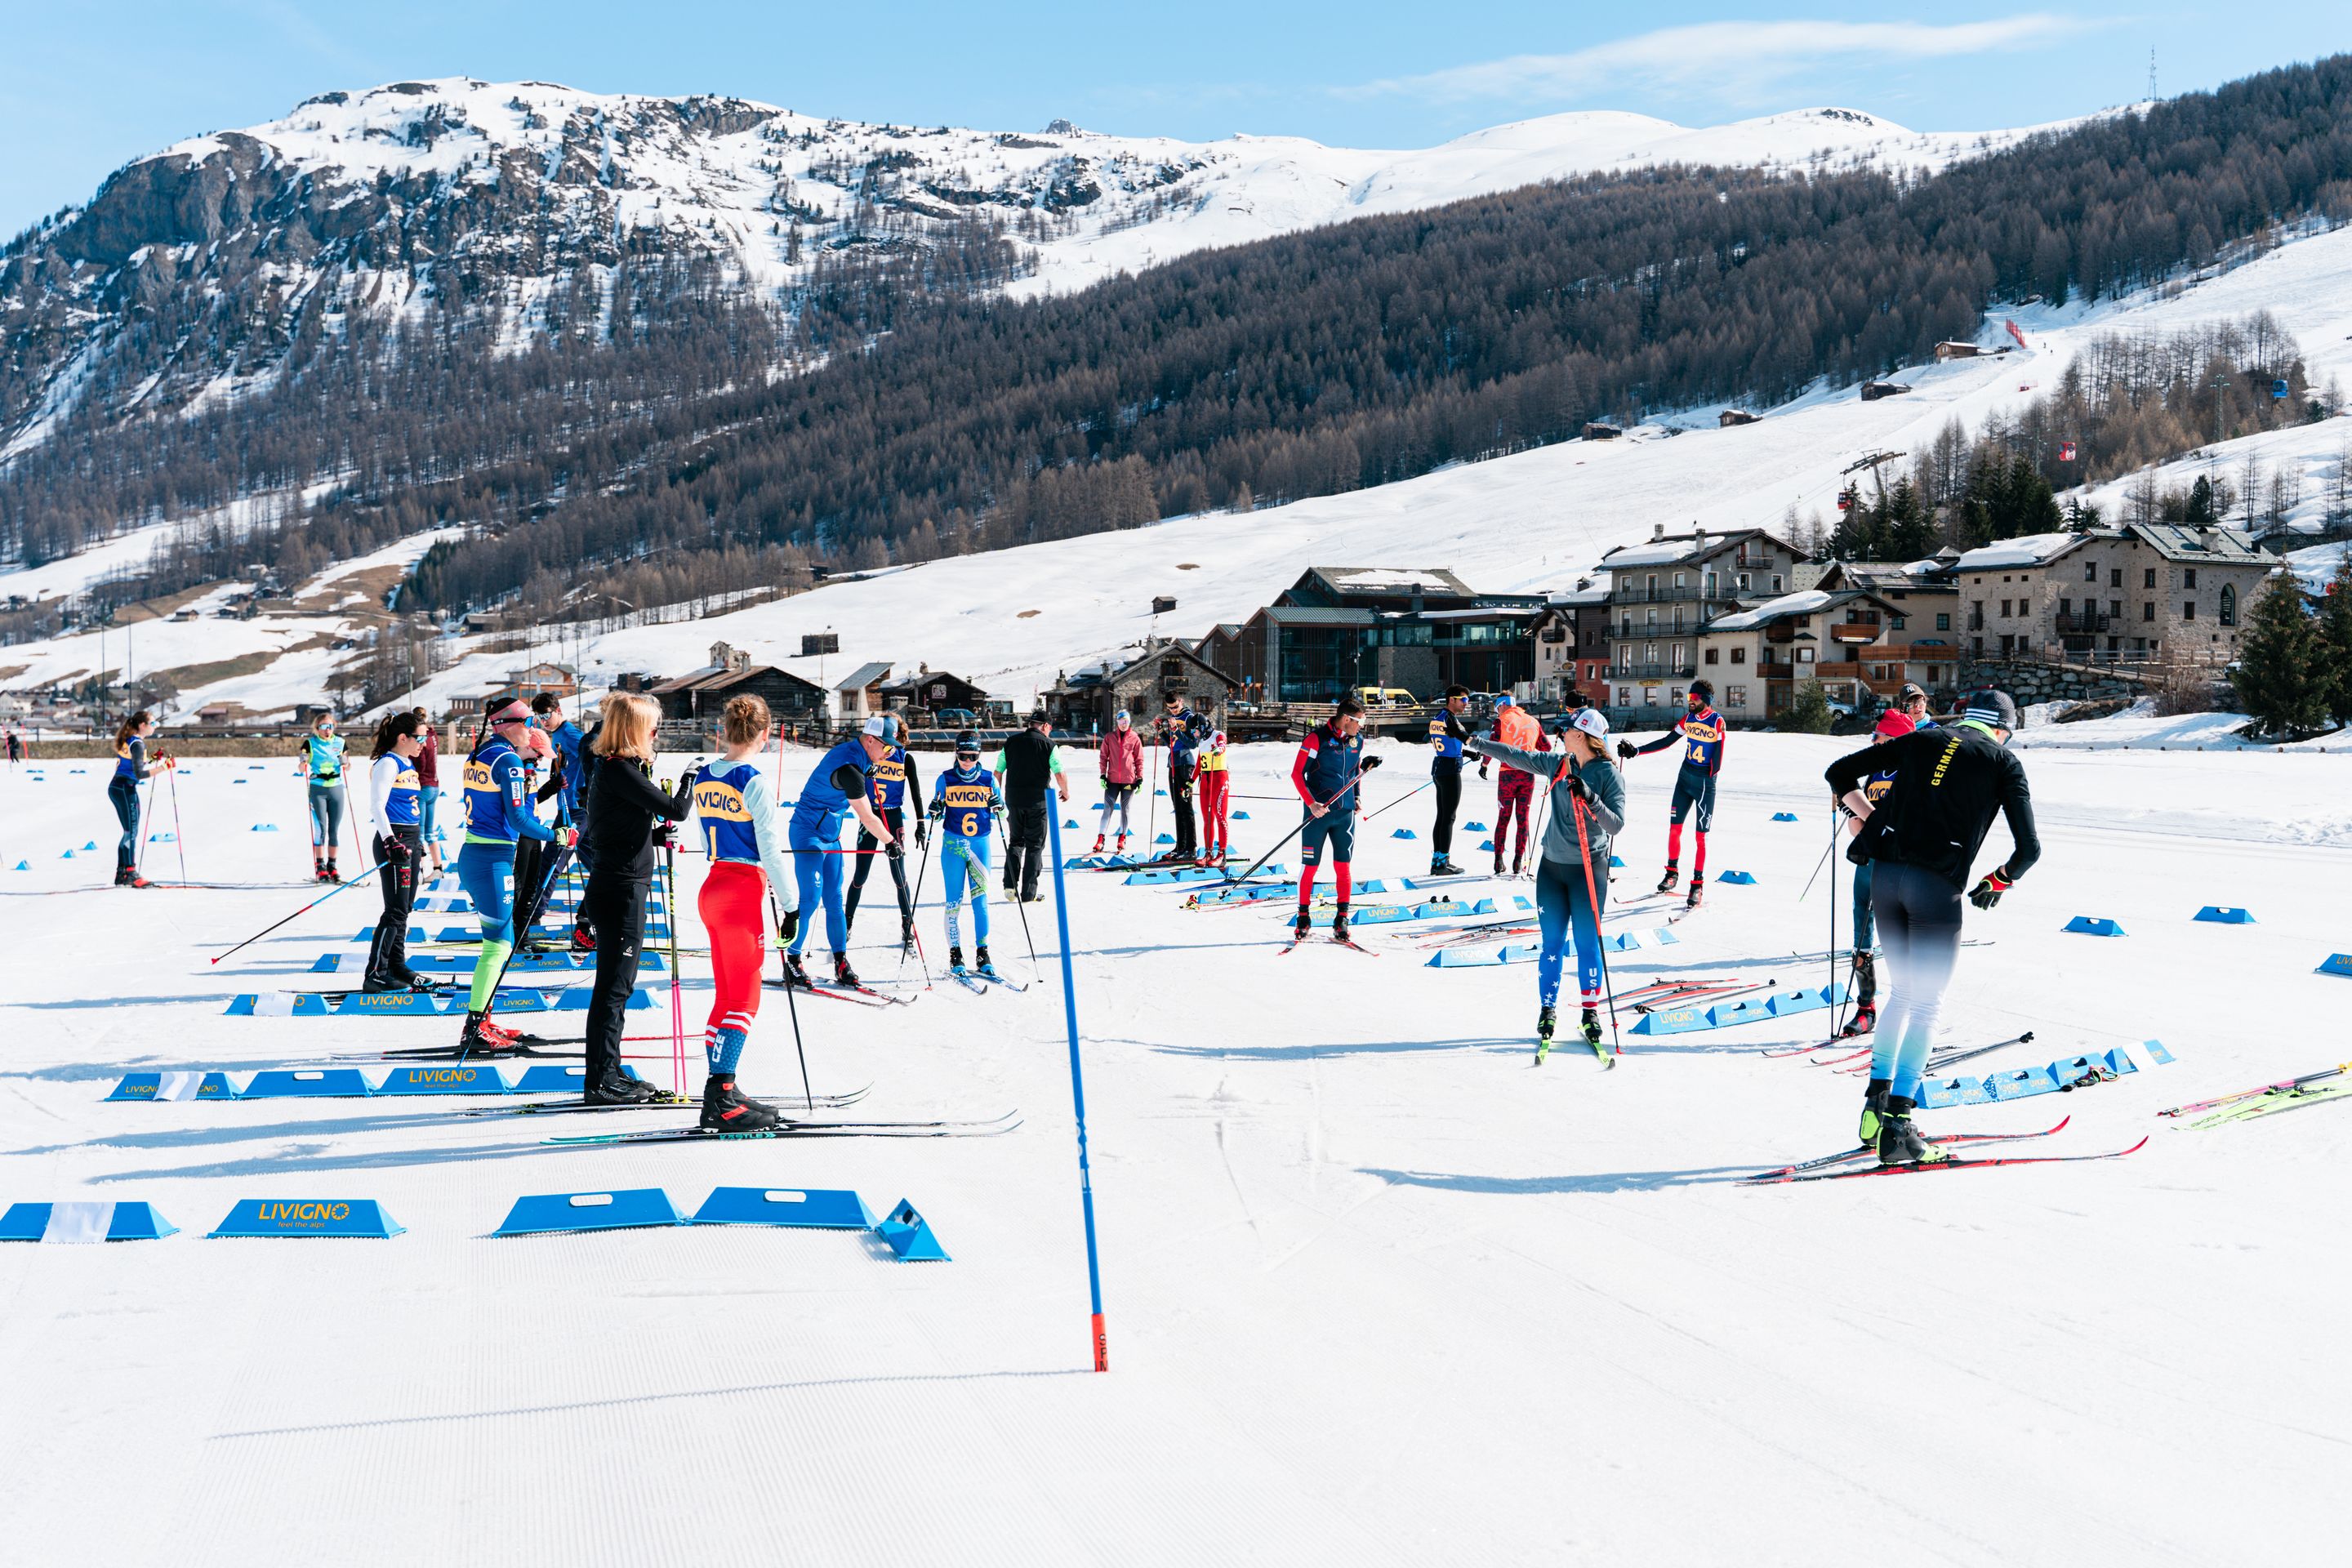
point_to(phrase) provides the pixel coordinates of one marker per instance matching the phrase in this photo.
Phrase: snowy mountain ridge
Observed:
(197, 271)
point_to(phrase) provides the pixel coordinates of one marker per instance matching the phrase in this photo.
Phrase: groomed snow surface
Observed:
(1380, 1290)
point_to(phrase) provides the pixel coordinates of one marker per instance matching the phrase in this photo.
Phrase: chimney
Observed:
(1657, 532)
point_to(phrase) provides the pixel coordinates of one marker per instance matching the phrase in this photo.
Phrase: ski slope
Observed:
(1379, 1290)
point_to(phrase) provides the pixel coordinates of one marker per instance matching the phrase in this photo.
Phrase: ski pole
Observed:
(1286, 838)
(178, 835)
(1402, 798)
(791, 1007)
(677, 1005)
(922, 869)
(146, 822)
(1946, 1059)
(1837, 1008)
(1020, 904)
(1823, 861)
(1592, 896)
(305, 910)
(1078, 1098)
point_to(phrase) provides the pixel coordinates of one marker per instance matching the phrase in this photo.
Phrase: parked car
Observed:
(1385, 696)
(953, 718)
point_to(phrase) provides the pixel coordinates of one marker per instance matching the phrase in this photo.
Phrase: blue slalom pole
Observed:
(1078, 1096)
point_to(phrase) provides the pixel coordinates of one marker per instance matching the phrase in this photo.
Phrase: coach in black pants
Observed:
(1027, 769)
(625, 806)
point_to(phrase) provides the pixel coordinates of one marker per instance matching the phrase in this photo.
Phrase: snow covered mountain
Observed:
(201, 269)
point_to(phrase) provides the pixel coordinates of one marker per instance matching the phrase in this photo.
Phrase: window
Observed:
(1743, 582)
(1896, 622)
(1682, 654)
(2065, 606)
(1711, 580)
(1735, 696)
(1943, 622)
(2189, 577)
(1624, 696)
(1648, 696)
(1740, 655)
(1649, 653)
(2115, 609)
(2090, 570)
(1804, 655)
(1775, 582)
(2229, 605)
(1625, 656)
(2004, 609)
(2115, 576)
(2147, 611)
(2147, 577)
(1710, 656)
(1682, 579)
(1654, 584)
(2187, 609)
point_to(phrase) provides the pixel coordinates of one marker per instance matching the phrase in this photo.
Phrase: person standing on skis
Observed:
(1923, 836)
(894, 779)
(1446, 733)
(1030, 766)
(1326, 774)
(1701, 730)
(1216, 800)
(965, 804)
(1572, 870)
(835, 787)
(1183, 730)
(1118, 758)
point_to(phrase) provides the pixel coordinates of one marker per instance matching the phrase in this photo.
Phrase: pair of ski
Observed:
(978, 981)
(1936, 1064)
(1601, 1048)
(2274, 1102)
(2261, 1091)
(664, 1100)
(1684, 995)
(863, 995)
(1329, 941)
(1827, 1168)
(991, 1127)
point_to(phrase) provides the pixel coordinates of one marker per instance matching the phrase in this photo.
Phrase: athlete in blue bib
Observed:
(965, 804)
(835, 788)
(396, 806)
(893, 781)
(498, 797)
(1701, 731)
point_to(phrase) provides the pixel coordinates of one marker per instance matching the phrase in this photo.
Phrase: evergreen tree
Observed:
(2201, 512)
(1809, 711)
(2336, 641)
(1907, 527)
(2279, 674)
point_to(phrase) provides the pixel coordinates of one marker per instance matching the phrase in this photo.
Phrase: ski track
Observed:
(1441, 1268)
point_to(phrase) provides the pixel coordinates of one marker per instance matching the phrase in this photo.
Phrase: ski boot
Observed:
(333, 875)
(582, 940)
(1588, 1025)
(980, 961)
(419, 982)
(955, 961)
(796, 976)
(1899, 1142)
(1697, 884)
(1865, 987)
(619, 1089)
(376, 984)
(726, 1109)
(1340, 923)
(906, 938)
(1498, 865)
(1443, 866)
(843, 976)
(484, 1038)
(318, 869)
(132, 879)
(1303, 924)
(1864, 1020)
(1547, 1016)
(1874, 1112)
(1674, 875)
(1121, 848)
(1099, 843)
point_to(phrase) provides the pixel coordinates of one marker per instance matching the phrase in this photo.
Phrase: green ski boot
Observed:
(1544, 1022)
(1899, 1142)
(1874, 1112)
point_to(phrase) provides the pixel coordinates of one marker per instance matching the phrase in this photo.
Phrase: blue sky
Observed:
(85, 88)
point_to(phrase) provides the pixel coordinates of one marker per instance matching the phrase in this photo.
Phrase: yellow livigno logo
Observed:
(303, 1213)
(443, 1075)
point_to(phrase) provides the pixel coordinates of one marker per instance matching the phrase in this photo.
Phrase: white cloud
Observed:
(1735, 59)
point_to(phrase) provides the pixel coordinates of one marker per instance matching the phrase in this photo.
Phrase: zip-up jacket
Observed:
(1949, 785)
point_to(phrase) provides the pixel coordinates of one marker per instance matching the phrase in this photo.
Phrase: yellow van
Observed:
(1385, 696)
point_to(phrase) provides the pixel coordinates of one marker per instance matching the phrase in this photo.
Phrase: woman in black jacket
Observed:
(621, 813)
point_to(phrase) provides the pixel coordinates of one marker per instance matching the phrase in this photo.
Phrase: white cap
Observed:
(879, 726)
(1591, 722)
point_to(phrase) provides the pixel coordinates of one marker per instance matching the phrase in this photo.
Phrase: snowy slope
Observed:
(1378, 1291)
(506, 192)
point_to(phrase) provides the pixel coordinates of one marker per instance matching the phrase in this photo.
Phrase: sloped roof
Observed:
(2026, 550)
(864, 676)
(1804, 602)
(1685, 547)
(1391, 580)
(2223, 546)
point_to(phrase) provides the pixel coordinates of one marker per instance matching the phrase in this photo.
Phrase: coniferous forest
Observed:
(898, 408)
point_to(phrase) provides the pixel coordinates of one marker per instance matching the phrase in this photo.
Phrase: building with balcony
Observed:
(1843, 638)
(1663, 591)
(2141, 594)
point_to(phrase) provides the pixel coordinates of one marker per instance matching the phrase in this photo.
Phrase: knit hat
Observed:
(1894, 722)
(1990, 705)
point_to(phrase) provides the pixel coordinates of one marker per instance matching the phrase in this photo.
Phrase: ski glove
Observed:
(1371, 762)
(1988, 892)
(790, 924)
(1575, 784)
(391, 848)
(922, 834)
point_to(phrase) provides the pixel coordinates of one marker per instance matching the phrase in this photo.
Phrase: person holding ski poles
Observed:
(965, 804)
(1923, 836)
(1514, 791)
(1588, 808)
(1892, 724)
(1118, 758)
(498, 816)
(393, 805)
(1182, 729)
(1446, 733)
(122, 793)
(1701, 731)
(1326, 774)
(321, 760)
(835, 788)
(625, 805)
(894, 779)
(739, 830)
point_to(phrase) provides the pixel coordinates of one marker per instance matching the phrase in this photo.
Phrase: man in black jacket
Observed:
(1027, 768)
(1922, 839)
